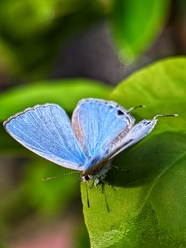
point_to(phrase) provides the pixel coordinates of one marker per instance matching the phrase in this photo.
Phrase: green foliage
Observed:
(35, 16)
(135, 25)
(148, 206)
(65, 92)
(161, 88)
(33, 31)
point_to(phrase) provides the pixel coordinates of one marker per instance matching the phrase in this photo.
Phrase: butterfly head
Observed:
(98, 174)
(85, 178)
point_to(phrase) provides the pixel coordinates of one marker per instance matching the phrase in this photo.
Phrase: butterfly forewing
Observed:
(97, 123)
(46, 130)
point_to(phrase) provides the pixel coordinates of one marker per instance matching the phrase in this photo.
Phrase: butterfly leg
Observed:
(96, 182)
(119, 168)
(105, 182)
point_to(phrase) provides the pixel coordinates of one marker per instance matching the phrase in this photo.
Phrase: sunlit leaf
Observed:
(161, 88)
(148, 205)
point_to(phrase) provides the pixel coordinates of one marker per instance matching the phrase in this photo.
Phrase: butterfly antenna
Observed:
(166, 115)
(69, 173)
(119, 168)
(131, 109)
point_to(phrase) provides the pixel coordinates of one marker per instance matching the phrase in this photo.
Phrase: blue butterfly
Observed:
(99, 130)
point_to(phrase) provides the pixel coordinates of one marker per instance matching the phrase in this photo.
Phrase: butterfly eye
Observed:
(120, 112)
(87, 178)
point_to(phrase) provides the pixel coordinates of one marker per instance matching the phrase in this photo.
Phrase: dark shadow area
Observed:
(147, 160)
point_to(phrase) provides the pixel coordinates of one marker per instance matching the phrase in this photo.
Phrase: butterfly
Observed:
(98, 131)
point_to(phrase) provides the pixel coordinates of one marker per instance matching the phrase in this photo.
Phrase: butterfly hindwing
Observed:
(46, 130)
(136, 133)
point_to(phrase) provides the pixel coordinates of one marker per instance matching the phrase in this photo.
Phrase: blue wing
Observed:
(97, 123)
(104, 129)
(46, 130)
(137, 132)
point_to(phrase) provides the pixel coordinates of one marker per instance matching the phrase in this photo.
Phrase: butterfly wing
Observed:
(104, 129)
(138, 132)
(97, 123)
(46, 131)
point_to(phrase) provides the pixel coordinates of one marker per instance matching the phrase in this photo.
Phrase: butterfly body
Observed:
(98, 175)
(99, 130)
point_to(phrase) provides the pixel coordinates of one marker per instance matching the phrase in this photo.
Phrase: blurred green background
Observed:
(61, 51)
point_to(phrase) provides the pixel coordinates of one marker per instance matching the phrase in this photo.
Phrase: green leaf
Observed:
(66, 92)
(161, 88)
(148, 205)
(135, 25)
